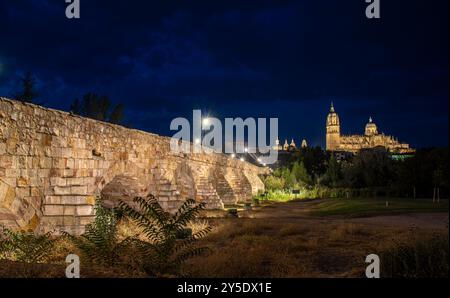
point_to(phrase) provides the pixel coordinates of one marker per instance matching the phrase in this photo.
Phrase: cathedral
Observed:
(335, 141)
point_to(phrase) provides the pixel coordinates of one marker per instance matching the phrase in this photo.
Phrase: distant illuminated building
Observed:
(286, 146)
(277, 146)
(292, 145)
(335, 141)
(304, 144)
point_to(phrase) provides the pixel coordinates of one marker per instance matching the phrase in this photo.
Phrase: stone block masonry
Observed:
(53, 166)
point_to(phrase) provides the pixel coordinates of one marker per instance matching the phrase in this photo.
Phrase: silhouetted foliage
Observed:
(333, 175)
(116, 116)
(369, 168)
(27, 92)
(98, 108)
(418, 175)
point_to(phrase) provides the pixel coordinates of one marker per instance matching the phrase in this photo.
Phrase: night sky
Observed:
(285, 59)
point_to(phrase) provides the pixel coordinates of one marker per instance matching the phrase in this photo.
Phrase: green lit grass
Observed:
(359, 207)
(286, 196)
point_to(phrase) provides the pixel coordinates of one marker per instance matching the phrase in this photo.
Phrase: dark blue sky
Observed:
(285, 59)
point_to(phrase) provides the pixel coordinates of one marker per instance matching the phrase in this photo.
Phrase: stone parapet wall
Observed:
(53, 166)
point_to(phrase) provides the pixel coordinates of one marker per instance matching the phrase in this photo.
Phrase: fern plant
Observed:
(165, 250)
(25, 246)
(100, 244)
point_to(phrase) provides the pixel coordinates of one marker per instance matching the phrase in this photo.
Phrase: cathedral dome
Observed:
(333, 118)
(371, 128)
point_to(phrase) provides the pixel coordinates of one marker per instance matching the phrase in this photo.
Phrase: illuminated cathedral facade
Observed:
(335, 141)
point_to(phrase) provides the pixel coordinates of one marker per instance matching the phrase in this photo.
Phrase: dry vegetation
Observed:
(284, 240)
(294, 248)
(278, 240)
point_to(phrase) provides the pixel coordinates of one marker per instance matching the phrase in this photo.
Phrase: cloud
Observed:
(164, 58)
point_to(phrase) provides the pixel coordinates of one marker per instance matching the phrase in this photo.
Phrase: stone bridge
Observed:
(53, 165)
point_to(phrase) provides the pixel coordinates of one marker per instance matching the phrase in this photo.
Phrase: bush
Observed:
(25, 246)
(100, 244)
(273, 183)
(164, 252)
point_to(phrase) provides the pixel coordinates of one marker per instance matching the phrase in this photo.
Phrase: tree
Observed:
(423, 173)
(288, 178)
(75, 107)
(439, 179)
(116, 116)
(333, 173)
(300, 173)
(28, 92)
(98, 108)
(370, 168)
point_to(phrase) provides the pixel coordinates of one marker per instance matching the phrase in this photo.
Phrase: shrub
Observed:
(100, 244)
(25, 246)
(163, 251)
(272, 182)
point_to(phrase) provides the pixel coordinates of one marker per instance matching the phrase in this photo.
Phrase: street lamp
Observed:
(205, 121)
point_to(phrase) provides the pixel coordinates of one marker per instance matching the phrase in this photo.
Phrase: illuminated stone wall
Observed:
(354, 143)
(53, 165)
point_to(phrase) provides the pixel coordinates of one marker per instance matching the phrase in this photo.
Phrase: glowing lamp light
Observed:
(197, 141)
(246, 149)
(205, 121)
(233, 155)
(242, 159)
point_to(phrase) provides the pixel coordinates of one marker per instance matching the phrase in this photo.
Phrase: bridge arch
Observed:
(54, 164)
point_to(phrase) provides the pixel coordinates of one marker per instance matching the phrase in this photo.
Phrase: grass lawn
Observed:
(360, 207)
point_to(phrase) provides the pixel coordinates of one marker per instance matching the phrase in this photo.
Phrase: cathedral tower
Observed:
(333, 130)
(371, 128)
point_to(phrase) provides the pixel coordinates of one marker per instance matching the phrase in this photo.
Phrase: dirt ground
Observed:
(300, 210)
(283, 240)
